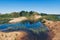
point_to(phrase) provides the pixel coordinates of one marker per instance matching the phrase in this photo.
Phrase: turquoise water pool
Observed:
(26, 24)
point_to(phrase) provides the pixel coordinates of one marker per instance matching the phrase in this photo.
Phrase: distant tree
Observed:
(43, 14)
(14, 14)
(22, 13)
(31, 12)
(26, 13)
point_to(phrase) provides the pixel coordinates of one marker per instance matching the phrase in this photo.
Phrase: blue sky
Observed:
(44, 6)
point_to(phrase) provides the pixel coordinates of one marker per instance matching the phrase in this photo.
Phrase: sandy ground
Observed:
(15, 36)
(54, 26)
(19, 19)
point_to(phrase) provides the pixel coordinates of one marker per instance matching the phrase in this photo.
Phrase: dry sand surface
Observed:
(21, 35)
(54, 27)
(19, 19)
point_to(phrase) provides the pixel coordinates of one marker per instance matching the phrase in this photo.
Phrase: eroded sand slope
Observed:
(54, 27)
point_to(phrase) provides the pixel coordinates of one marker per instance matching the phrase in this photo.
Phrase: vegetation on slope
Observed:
(4, 18)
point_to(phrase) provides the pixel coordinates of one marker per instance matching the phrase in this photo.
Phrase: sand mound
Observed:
(15, 36)
(19, 19)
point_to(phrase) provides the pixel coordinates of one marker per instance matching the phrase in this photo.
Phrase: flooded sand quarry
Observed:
(27, 25)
